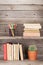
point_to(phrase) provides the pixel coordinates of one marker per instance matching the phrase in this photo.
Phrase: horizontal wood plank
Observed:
(21, 1)
(19, 37)
(20, 20)
(21, 7)
(21, 14)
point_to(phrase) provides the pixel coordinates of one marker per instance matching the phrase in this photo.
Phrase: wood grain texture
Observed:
(20, 20)
(20, 7)
(21, 1)
(21, 14)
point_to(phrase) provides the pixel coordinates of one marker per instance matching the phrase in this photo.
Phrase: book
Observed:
(16, 51)
(31, 34)
(21, 52)
(31, 31)
(9, 51)
(12, 52)
(5, 51)
(32, 26)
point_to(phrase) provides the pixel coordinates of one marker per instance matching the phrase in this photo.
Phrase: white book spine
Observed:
(16, 51)
(12, 52)
(21, 52)
(8, 51)
(32, 26)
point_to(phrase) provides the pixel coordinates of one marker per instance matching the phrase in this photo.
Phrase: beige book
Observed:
(21, 52)
(12, 52)
(9, 51)
(31, 34)
(16, 51)
(32, 31)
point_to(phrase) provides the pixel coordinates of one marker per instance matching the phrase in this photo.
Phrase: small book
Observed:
(32, 31)
(12, 52)
(16, 51)
(33, 26)
(5, 51)
(21, 52)
(9, 51)
(31, 34)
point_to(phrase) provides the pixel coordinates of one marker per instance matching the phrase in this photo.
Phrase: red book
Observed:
(5, 51)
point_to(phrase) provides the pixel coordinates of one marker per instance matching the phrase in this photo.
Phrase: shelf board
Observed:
(24, 62)
(33, 37)
(19, 37)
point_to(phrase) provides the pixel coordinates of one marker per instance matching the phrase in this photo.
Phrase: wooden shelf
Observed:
(25, 62)
(19, 37)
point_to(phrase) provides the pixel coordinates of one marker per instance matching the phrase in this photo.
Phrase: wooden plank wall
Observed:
(21, 2)
(21, 11)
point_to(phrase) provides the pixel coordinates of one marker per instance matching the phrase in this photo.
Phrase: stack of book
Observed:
(32, 29)
(12, 51)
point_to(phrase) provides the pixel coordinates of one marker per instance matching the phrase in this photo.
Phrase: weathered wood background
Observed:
(21, 11)
(21, 2)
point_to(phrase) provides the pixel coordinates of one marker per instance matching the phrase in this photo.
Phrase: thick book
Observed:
(21, 52)
(31, 34)
(33, 26)
(5, 51)
(16, 51)
(9, 52)
(32, 31)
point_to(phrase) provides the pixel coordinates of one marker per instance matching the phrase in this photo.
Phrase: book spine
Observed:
(16, 51)
(5, 51)
(8, 51)
(32, 26)
(31, 34)
(12, 53)
(21, 52)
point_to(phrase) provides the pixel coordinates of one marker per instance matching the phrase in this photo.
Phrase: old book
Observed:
(21, 52)
(12, 51)
(9, 51)
(31, 34)
(33, 26)
(16, 51)
(32, 31)
(5, 51)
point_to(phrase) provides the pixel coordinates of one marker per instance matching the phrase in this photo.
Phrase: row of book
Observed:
(13, 51)
(32, 29)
